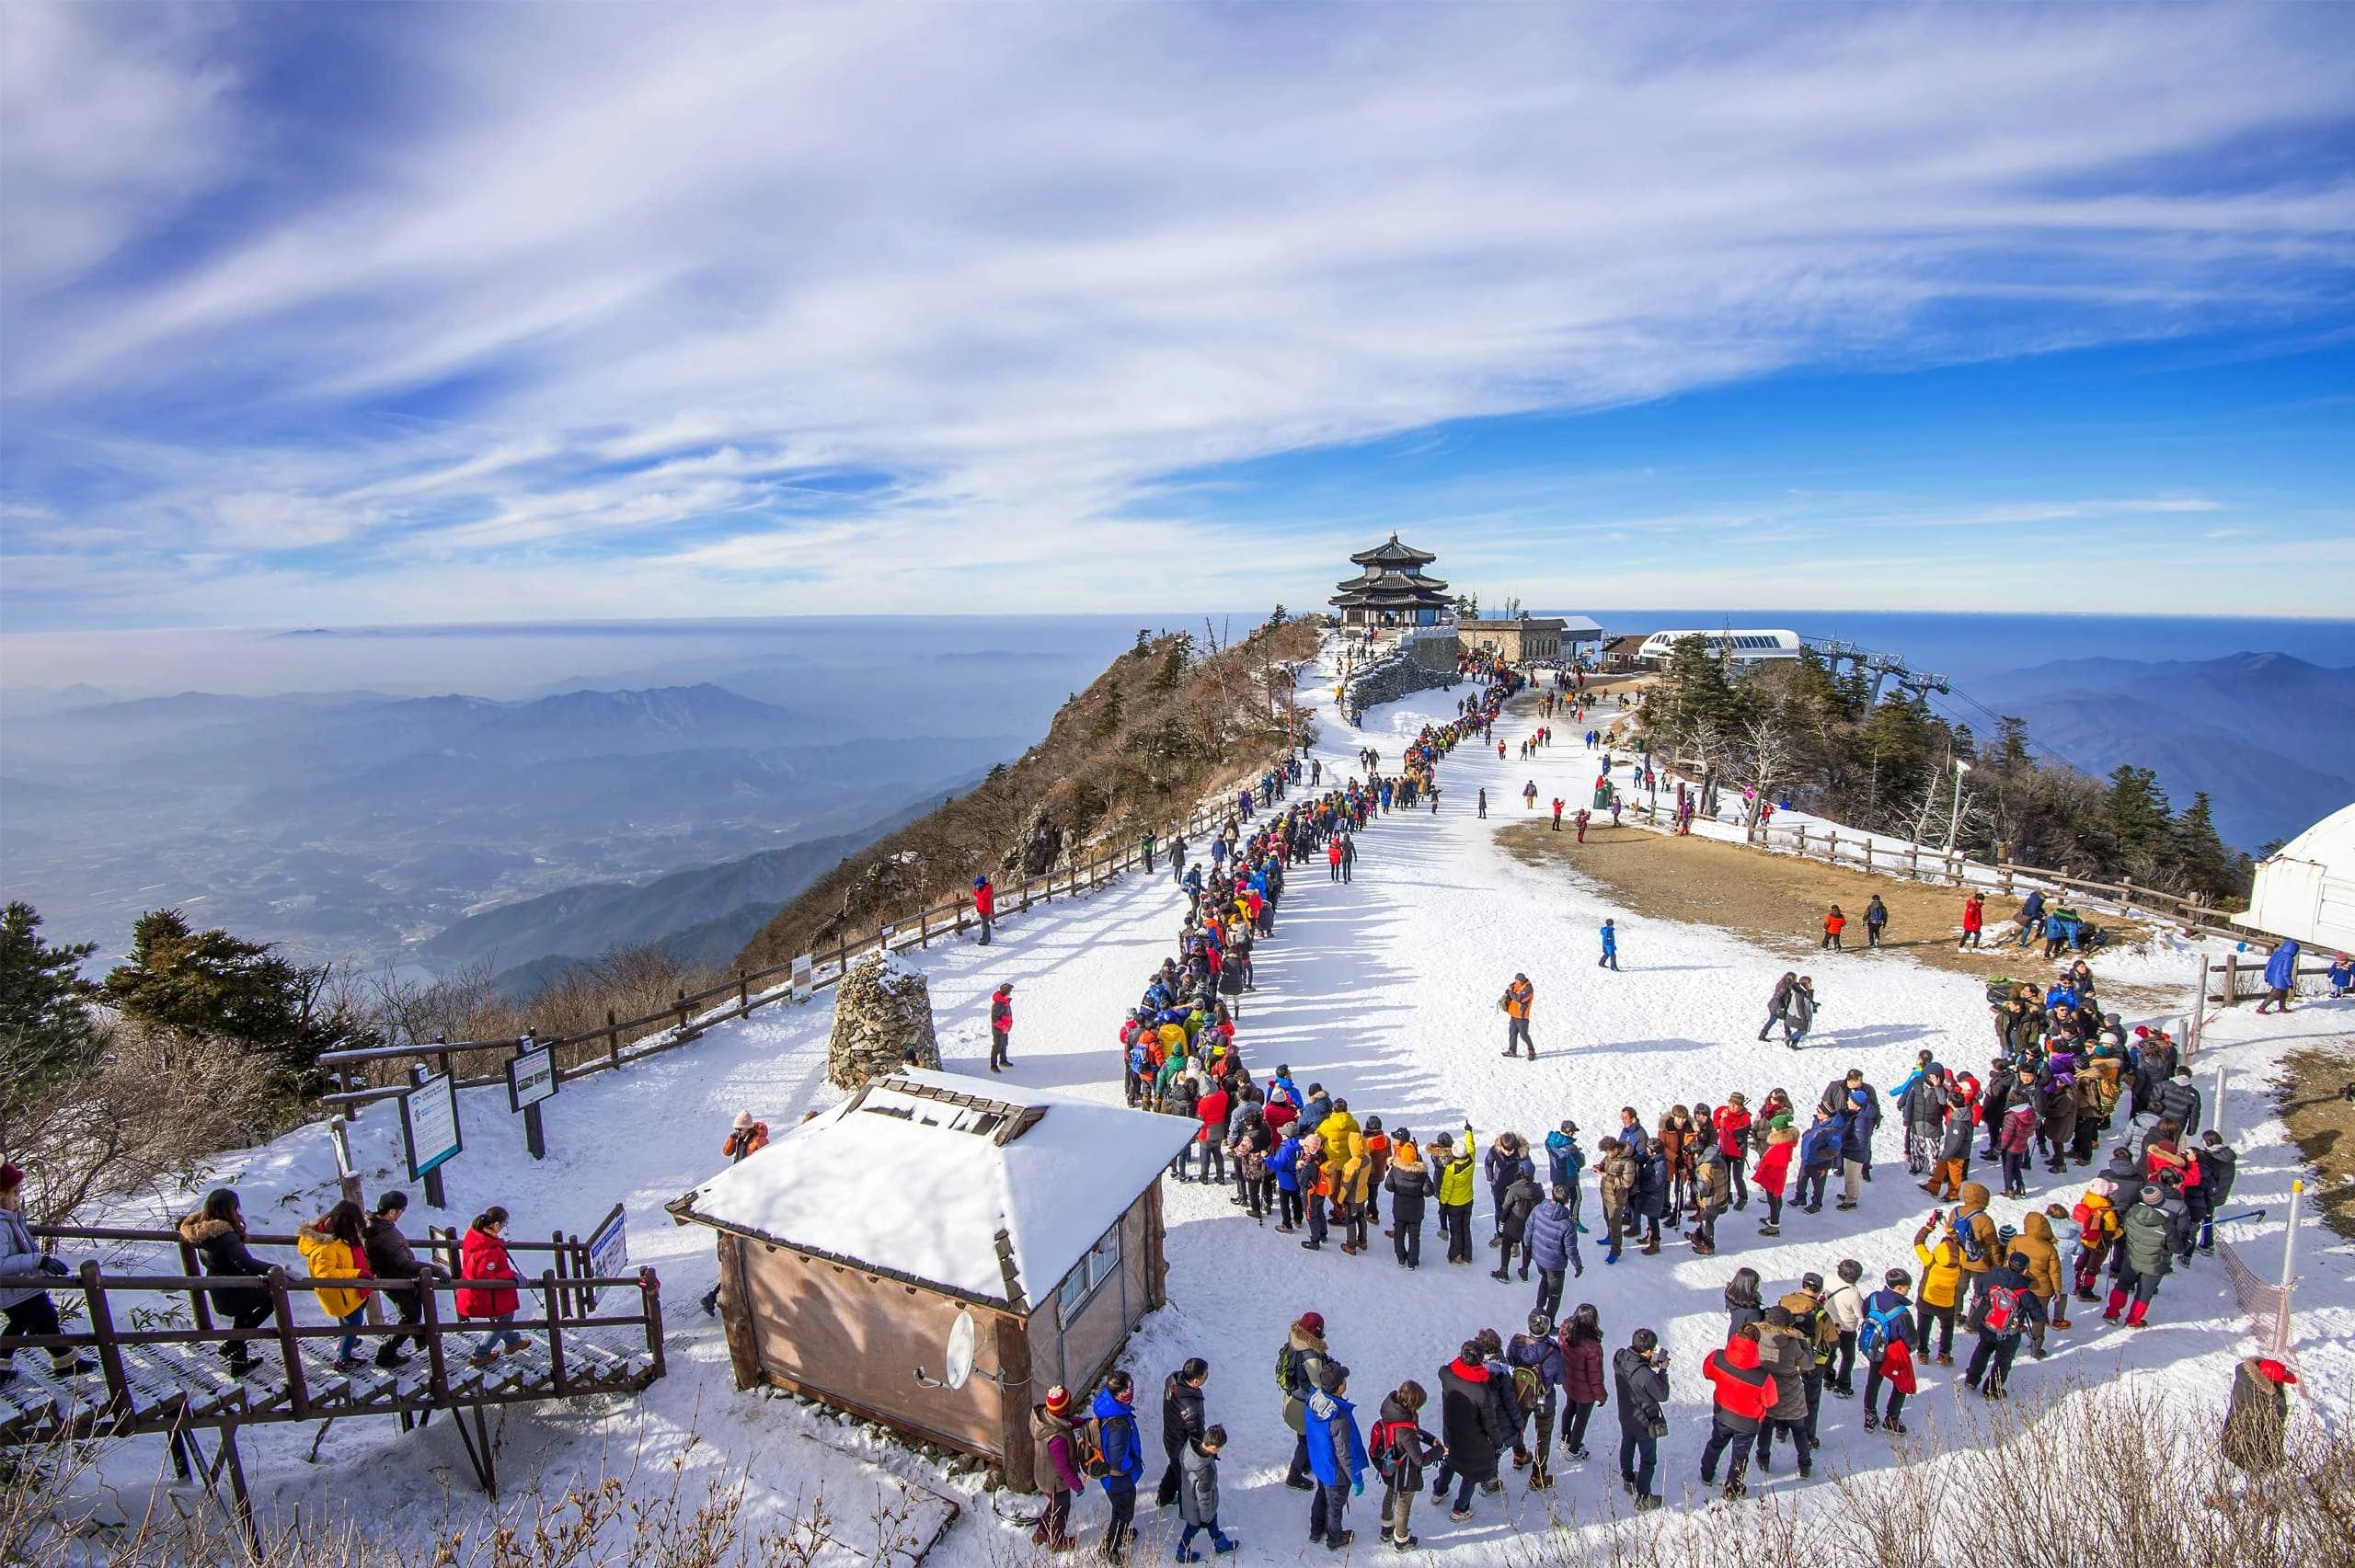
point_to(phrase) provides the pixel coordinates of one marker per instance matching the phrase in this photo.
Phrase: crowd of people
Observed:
(2064, 1074)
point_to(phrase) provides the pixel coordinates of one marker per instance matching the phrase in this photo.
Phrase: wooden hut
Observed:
(850, 1247)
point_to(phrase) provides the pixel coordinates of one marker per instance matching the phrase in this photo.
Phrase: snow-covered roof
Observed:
(918, 1174)
(2306, 889)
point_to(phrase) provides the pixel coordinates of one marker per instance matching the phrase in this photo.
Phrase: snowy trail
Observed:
(1386, 989)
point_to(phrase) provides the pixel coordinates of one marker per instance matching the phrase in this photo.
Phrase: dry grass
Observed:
(1778, 900)
(2322, 1123)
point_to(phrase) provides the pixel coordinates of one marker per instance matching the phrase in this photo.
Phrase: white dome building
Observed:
(2306, 890)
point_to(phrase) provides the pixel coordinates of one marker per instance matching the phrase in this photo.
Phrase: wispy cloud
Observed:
(882, 307)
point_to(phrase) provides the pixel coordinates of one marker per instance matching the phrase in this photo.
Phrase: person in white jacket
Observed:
(1845, 1305)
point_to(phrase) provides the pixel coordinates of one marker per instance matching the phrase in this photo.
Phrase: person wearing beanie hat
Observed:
(1056, 1470)
(1535, 1353)
(27, 1308)
(1001, 1025)
(2144, 1254)
(1297, 1368)
(1336, 1455)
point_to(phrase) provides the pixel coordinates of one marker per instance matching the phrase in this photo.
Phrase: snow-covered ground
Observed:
(1385, 990)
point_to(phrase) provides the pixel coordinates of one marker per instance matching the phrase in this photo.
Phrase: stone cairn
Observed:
(882, 1023)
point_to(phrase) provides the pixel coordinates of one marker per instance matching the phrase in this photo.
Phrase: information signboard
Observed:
(608, 1252)
(530, 1077)
(805, 973)
(430, 1134)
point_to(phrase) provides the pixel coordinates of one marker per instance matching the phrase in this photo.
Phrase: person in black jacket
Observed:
(1468, 1426)
(1181, 1421)
(1640, 1374)
(390, 1257)
(2218, 1166)
(217, 1232)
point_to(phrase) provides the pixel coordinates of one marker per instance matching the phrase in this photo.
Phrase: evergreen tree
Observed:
(1108, 718)
(211, 983)
(1173, 668)
(45, 1025)
(2206, 866)
(2140, 830)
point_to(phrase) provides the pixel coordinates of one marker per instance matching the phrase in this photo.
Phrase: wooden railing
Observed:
(624, 1040)
(296, 1390)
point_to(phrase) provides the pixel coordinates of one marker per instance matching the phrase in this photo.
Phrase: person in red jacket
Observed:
(1733, 1125)
(1975, 915)
(1001, 1025)
(1744, 1391)
(1212, 1108)
(984, 906)
(483, 1256)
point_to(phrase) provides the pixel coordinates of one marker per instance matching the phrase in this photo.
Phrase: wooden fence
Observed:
(624, 1040)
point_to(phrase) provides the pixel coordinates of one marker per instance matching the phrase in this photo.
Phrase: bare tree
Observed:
(1767, 746)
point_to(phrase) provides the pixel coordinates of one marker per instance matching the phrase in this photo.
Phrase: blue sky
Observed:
(365, 315)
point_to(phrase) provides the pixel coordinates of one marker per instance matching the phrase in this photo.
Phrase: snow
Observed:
(1385, 990)
(900, 1184)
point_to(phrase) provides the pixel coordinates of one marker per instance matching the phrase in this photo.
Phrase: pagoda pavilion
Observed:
(1392, 590)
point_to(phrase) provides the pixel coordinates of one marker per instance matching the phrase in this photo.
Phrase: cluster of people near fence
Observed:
(343, 1257)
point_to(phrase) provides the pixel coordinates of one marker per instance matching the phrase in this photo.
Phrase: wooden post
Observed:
(290, 1349)
(613, 1039)
(1914, 862)
(961, 914)
(736, 1313)
(1868, 852)
(923, 926)
(683, 1011)
(841, 955)
(743, 990)
(200, 1306)
(1802, 831)
(437, 1369)
(1832, 847)
(555, 1325)
(2007, 879)
(2233, 979)
(94, 1296)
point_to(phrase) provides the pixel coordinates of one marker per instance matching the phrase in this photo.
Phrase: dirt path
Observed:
(1778, 900)
(2321, 1122)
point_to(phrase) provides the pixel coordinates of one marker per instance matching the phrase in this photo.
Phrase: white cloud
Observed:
(1023, 263)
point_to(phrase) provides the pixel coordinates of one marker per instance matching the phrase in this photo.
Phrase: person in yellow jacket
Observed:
(1458, 1171)
(1353, 1181)
(1941, 1288)
(333, 1248)
(1339, 1131)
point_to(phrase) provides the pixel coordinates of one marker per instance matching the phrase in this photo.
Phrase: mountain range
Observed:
(2270, 737)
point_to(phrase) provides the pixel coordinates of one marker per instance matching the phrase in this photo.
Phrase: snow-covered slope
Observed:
(1386, 990)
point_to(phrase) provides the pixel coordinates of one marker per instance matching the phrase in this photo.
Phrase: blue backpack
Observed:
(1878, 1330)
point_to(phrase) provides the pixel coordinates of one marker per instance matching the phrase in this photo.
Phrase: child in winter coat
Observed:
(1056, 1470)
(1835, 923)
(1399, 1449)
(1773, 1169)
(1198, 1495)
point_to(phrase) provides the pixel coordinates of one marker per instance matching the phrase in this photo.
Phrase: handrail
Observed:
(253, 1238)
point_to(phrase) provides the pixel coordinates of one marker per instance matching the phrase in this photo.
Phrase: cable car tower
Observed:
(1884, 669)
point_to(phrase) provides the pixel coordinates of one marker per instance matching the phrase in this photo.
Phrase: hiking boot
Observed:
(1872, 1422)
(1895, 1428)
(1734, 1489)
(1338, 1542)
(1647, 1503)
(1406, 1543)
(1299, 1483)
(1459, 1515)
(391, 1357)
(1500, 1274)
(1767, 1228)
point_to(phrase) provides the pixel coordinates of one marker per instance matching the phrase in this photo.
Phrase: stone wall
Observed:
(1394, 676)
(882, 1023)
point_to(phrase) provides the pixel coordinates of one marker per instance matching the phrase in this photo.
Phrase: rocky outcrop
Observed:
(1394, 676)
(1040, 846)
(882, 1023)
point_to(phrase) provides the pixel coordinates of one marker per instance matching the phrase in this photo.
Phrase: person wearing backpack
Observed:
(1536, 1364)
(1399, 1449)
(1885, 1339)
(1058, 1471)
(1640, 1370)
(1515, 1205)
(1302, 1356)
(2004, 1303)
(1843, 1305)
(1974, 1228)
(1336, 1454)
(1113, 1435)
(1743, 1392)
(1815, 1330)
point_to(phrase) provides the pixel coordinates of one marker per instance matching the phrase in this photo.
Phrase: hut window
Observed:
(1088, 1275)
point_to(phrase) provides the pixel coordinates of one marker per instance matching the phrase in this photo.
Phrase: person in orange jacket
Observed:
(1834, 922)
(1516, 1003)
(745, 1139)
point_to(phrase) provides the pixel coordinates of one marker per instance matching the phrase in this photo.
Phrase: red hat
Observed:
(12, 1176)
(1058, 1400)
(2276, 1372)
(1314, 1322)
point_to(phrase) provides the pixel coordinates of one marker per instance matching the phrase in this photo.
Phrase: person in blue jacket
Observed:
(2341, 976)
(1336, 1457)
(1564, 1162)
(1610, 959)
(2030, 918)
(1819, 1151)
(1114, 1412)
(2281, 974)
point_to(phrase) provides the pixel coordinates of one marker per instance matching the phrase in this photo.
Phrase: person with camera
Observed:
(1640, 1375)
